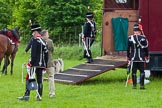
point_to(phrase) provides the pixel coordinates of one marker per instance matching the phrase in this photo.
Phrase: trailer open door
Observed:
(117, 9)
(150, 10)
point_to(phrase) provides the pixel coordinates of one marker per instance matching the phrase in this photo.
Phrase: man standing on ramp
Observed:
(88, 36)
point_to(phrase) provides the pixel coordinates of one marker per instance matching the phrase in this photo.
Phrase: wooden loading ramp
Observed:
(85, 71)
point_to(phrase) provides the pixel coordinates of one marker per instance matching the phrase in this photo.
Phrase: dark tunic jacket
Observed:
(90, 30)
(39, 53)
(137, 48)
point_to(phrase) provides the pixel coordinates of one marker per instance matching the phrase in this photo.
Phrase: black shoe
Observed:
(142, 87)
(26, 98)
(88, 61)
(38, 98)
(91, 60)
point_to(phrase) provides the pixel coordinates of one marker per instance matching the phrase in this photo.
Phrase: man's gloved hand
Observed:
(83, 38)
(128, 67)
(44, 70)
(147, 59)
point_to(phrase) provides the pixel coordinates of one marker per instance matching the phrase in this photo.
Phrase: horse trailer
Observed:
(119, 16)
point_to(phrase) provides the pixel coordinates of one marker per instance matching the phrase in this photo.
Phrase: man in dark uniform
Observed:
(137, 53)
(89, 36)
(39, 59)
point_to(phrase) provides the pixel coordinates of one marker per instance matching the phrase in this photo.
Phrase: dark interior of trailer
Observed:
(121, 4)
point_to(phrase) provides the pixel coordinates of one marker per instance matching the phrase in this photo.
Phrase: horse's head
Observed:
(16, 33)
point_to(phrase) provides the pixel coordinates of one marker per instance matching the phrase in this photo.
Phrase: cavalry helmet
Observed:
(35, 27)
(136, 27)
(89, 15)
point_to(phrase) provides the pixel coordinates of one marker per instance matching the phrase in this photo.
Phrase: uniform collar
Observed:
(38, 36)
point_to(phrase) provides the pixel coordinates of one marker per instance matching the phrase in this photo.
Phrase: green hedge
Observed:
(75, 51)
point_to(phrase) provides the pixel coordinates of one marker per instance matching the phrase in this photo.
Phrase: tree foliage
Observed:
(5, 15)
(63, 18)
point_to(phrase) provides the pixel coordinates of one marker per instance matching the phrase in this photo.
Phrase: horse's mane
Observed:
(13, 34)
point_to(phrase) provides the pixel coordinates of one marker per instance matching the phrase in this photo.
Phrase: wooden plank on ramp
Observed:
(85, 71)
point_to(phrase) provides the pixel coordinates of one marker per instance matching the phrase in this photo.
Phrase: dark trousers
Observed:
(39, 73)
(138, 66)
(88, 43)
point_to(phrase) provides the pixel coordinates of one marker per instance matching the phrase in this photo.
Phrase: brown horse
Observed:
(8, 50)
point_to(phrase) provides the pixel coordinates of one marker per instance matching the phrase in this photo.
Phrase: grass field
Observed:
(104, 91)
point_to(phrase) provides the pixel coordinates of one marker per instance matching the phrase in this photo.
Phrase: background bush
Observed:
(75, 51)
(63, 18)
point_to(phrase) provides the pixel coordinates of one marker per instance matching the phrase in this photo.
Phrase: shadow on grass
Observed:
(156, 74)
(103, 81)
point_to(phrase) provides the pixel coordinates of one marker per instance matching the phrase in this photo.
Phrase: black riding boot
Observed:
(26, 94)
(134, 78)
(40, 90)
(142, 77)
(88, 60)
